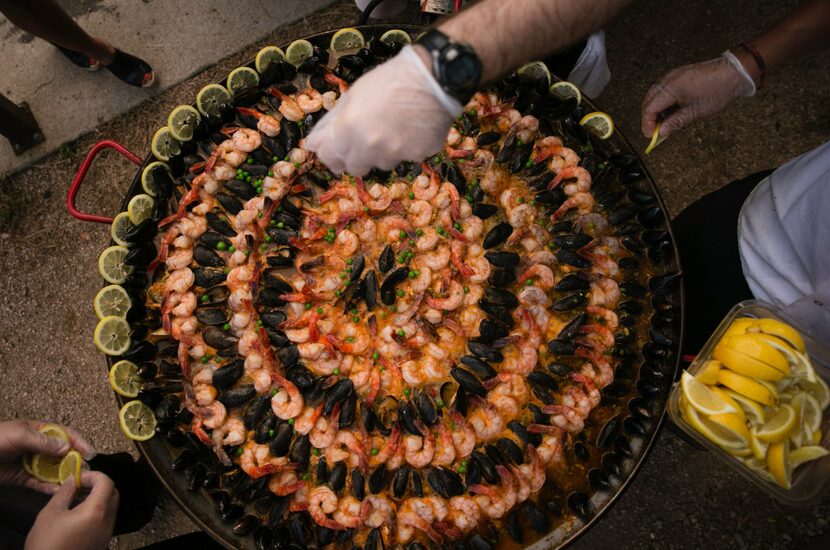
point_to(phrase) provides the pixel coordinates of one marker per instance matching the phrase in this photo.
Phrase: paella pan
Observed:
(474, 349)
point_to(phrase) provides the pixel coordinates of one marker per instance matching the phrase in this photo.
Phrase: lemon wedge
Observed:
(754, 410)
(708, 372)
(780, 425)
(137, 421)
(722, 393)
(656, 139)
(702, 398)
(748, 387)
(759, 447)
(599, 123)
(778, 458)
(806, 454)
(71, 466)
(717, 433)
(781, 330)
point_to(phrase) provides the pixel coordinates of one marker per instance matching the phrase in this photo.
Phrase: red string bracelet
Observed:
(759, 60)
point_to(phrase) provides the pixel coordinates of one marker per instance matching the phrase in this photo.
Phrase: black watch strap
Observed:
(455, 66)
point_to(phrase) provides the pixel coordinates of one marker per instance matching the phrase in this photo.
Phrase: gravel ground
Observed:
(683, 498)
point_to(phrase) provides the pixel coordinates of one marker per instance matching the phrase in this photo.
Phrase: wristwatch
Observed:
(455, 66)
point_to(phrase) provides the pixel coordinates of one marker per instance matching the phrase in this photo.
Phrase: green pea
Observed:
(457, 226)
(349, 261)
(419, 232)
(466, 290)
(374, 451)
(270, 433)
(270, 174)
(280, 225)
(204, 298)
(411, 195)
(356, 319)
(231, 248)
(221, 246)
(336, 371)
(290, 421)
(226, 326)
(400, 293)
(375, 355)
(239, 451)
(315, 451)
(307, 306)
(402, 234)
(259, 322)
(401, 332)
(407, 392)
(528, 282)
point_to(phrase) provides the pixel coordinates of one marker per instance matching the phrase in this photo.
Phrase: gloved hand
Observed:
(21, 436)
(695, 91)
(394, 112)
(86, 526)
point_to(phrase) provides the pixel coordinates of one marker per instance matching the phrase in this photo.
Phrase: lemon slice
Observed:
(148, 182)
(347, 39)
(702, 398)
(747, 387)
(806, 454)
(600, 123)
(754, 410)
(70, 466)
(112, 300)
(783, 331)
(809, 412)
(721, 392)
(780, 425)
(535, 70)
(53, 430)
(566, 90)
(112, 335)
(120, 225)
(46, 468)
(734, 423)
(656, 139)
(717, 433)
(739, 326)
(140, 208)
(759, 467)
(396, 36)
(242, 78)
(111, 264)
(818, 390)
(778, 458)
(298, 51)
(124, 378)
(137, 421)
(164, 145)
(210, 99)
(754, 346)
(803, 369)
(758, 446)
(745, 364)
(26, 462)
(708, 372)
(182, 122)
(266, 56)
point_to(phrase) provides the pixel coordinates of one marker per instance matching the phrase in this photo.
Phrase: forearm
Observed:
(507, 34)
(805, 30)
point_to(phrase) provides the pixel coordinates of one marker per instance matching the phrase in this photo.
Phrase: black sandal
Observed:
(80, 59)
(131, 69)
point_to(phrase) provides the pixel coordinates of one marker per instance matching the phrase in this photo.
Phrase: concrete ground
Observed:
(683, 498)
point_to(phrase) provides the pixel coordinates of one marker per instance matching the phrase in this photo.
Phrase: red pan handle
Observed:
(81, 174)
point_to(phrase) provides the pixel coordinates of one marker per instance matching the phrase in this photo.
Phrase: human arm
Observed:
(696, 91)
(399, 112)
(18, 437)
(86, 526)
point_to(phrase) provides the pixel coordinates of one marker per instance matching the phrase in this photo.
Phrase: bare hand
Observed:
(693, 92)
(21, 436)
(87, 526)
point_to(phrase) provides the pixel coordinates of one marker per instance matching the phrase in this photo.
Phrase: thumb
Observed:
(63, 498)
(658, 99)
(37, 442)
(677, 120)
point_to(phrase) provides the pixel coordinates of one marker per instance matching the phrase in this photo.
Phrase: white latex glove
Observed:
(695, 91)
(395, 112)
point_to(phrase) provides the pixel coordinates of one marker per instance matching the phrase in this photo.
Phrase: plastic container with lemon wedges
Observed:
(757, 396)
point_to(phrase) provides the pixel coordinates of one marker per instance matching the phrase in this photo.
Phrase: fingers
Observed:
(102, 489)
(658, 98)
(677, 120)
(41, 486)
(63, 496)
(80, 444)
(29, 439)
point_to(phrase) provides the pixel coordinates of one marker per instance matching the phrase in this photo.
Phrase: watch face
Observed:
(462, 71)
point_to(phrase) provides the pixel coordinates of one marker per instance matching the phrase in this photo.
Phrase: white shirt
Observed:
(784, 240)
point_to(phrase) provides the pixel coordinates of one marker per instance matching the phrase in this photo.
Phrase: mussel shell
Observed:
(400, 481)
(485, 352)
(497, 235)
(427, 410)
(254, 414)
(300, 452)
(236, 397)
(503, 259)
(571, 330)
(348, 410)
(479, 367)
(281, 440)
(407, 416)
(290, 356)
(571, 258)
(510, 450)
(358, 484)
(570, 302)
(225, 377)
(206, 257)
(538, 378)
(388, 287)
(143, 232)
(490, 331)
(468, 381)
(497, 313)
(336, 394)
(211, 315)
(141, 255)
(535, 516)
(386, 261)
(502, 277)
(487, 467)
(378, 480)
(573, 281)
(207, 278)
(337, 477)
(484, 211)
(500, 296)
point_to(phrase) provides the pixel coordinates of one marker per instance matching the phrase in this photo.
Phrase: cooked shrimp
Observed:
(310, 100)
(604, 291)
(444, 448)
(540, 275)
(454, 298)
(551, 448)
(284, 483)
(486, 421)
(289, 108)
(288, 401)
(463, 435)
(582, 177)
(472, 228)
(419, 449)
(346, 243)
(231, 432)
(605, 315)
(377, 197)
(387, 449)
(253, 460)
(526, 128)
(179, 280)
(324, 432)
(436, 259)
(426, 185)
(352, 513)
(427, 239)
(464, 513)
(246, 140)
(565, 417)
(267, 124)
(351, 338)
(420, 213)
(382, 511)
(584, 202)
(307, 420)
(329, 100)
(321, 502)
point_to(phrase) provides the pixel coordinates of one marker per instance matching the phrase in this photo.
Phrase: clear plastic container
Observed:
(809, 481)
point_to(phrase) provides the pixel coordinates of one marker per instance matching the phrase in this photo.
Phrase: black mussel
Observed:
(571, 258)
(487, 467)
(272, 319)
(348, 410)
(473, 474)
(357, 265)
(225, 377)
(543, 395)
(538, 378)
(500, 296)
(281, 440)
(513, 526)
(490, 331)
(219, 223)
(358, 484)
(427, 410)
(539, 417)
(222, 500)
(455, 177)
(511, 450)
(445, 482)
(176, 438)
(265, 428)
(207, 257)
(573, 281)
(374, 541)
(552, 198)
(208, 277)
(246, 525)
(611, 463)
(388, 288)
(211, 316)
(214, 241)
(535, 516)
(497, 313)
(241, 189)
(219, 339)
(478, 367)
(386, 261)
(633, 289)
(485, 352)
(283, 219)
(229, 203)
(561, 347)
(140, 351)
(663, 284)
(635, 426)
(571, 330)
(151, 398)
(185, 459)
(572, 241)
(214, 296)
(300, 452)
(503, 259)
(400, 481)
(581, 451)
(277, 338)
(263, 538)
(648, 388)
(147, 370)
(508, 148)
(608, 432)
(141, 255)
(337, 477)
(629, 263)
(299, 527)
(484, 211)
(615, 389)
(477, 542)
(310, 66)
(525, 436)
(521, 156)
(378, 480)
(336, 394)
(353, 63)
(290, 135)
(141, 233)
(168, 409)
(623, 447)
(570, 302)
(315, 393)
(236, 397)
(487, 138)
(290, 356)
(621, 214)
(272, 279)
(631, 307)
(408, 417)
(468, 381)
(502, 277)
(281, 260)
(379, 48)
(370, 290)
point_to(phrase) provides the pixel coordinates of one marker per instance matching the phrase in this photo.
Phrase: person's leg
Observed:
(706, 233)
(47, 20)
(138, 489)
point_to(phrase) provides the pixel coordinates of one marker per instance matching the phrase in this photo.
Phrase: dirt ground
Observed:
(683, 498)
